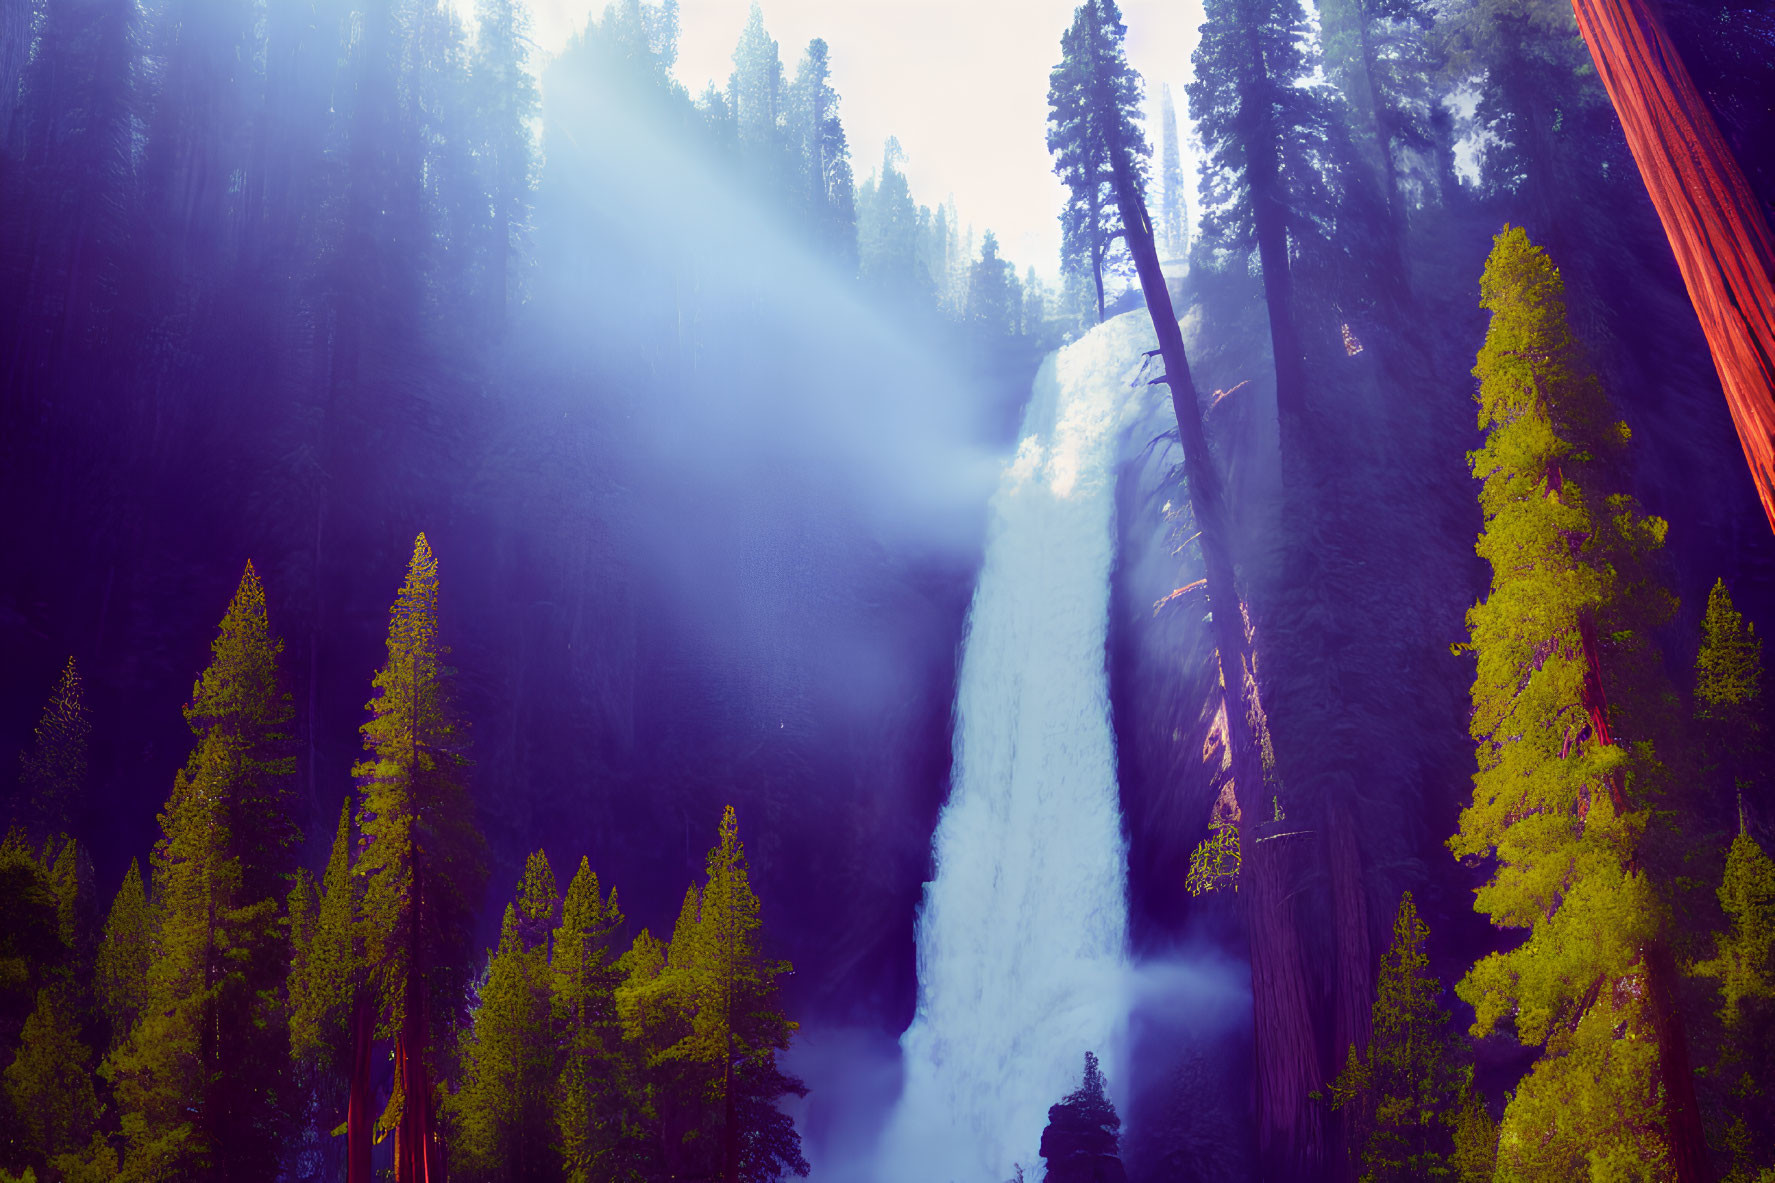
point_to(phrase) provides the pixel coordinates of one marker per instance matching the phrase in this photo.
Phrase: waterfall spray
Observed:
(1022, 938)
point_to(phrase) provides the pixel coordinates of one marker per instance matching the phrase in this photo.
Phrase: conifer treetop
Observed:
(1729, 667)
(238, 689)
(52, 772)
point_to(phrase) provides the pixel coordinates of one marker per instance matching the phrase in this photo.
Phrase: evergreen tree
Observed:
(706, 1016)
(325, 963)
(202, 1078)
(1376, 53)
(503, 1110)
(50, 1086)
(1173, 197)
(1262, 178)
(1743, 965)
(887, 232)
(123, 957)
(758, 85)
(1567, 673)
(1729, 705)
(1093, 110)
(991, 310)
(40, 1004)
(52, 772)
(825, 157)
(420, 861)
(1409, 1109)
(1082, 1141)
(736, 1023)
(597, 1118)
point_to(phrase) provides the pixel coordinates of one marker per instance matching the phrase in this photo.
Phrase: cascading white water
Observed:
(1022, 939)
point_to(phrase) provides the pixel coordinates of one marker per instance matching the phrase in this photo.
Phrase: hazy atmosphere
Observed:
(697, 591)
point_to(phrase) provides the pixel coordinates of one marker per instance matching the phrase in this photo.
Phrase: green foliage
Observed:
(415, 817)
(709, 1024)
(325, 965)
(1410, 1112)
(50, 1082)
(502, 1110)
(1743, 966)
(598, 1107)
(31, 945)
(52, 772)
(201, 1080)
(1561, 640)
(1729, 707)
(121, 981)
(1214, 863)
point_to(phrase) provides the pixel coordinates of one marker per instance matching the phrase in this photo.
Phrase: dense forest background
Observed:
(701, 429)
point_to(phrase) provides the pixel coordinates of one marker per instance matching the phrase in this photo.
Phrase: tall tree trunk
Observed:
(1349, 912)
(1716, 228)
(1686, 1140)
(1288, 1072)
(358, 1135)
(1269, 215)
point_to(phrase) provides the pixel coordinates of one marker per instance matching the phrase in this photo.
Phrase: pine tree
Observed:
(1082, 1141)
(50, 1084)
(991, 310)
(758, 84)
(1173, 197)
(736, 1023)
(596, 1106)
(1375, 53)
(52, 772)
(828, 191)
(1093, 107)
(325, 964)
(124, 951)
(887, 232)
(1409, 1109)
(202, 1078)
(1743, 965)
(503, 1110)
(705, 1016)
(420, 860)
(32, 951)
(1262, 178)
(1566, 673)
(1728, 705)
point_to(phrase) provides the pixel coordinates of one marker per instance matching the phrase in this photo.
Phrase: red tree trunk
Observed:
(1721, 239)
(1687, 1141)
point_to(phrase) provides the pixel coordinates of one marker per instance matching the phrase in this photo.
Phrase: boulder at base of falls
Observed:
(1082, 1143)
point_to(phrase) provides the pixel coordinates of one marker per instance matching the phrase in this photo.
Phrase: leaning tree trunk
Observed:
(1289, 1136)
(1716, 228)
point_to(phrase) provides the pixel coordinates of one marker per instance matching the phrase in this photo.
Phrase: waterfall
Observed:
(1022, 937)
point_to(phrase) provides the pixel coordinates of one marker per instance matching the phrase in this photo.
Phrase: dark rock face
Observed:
(1083, 1139)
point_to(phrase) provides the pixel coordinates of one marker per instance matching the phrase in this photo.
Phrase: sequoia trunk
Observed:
(1716, 228)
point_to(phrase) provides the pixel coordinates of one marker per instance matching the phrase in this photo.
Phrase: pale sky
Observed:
(962, 83)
